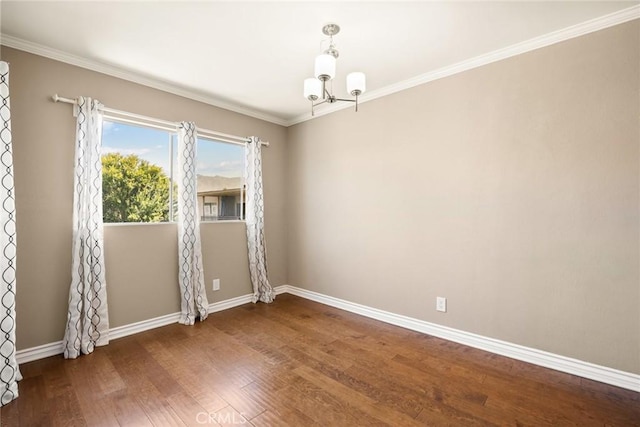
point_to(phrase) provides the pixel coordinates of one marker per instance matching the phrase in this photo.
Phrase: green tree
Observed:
(133, 190)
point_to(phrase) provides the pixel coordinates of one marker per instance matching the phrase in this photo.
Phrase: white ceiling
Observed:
(254, 56)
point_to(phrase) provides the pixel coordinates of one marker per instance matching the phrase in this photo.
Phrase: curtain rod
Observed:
(232, 139)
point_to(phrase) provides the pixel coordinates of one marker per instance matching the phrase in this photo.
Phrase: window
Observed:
(136, 174)
(220, 172)
(137, 181)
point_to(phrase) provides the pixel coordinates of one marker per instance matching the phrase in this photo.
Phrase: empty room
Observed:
(421, 213)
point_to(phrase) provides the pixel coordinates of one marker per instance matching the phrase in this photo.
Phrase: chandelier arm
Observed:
(348, 100)
(314, 104)
(326, 94)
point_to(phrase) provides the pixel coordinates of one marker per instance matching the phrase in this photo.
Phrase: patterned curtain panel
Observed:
(193, 294)
(262, 290)
(9, 372)
(87, 318)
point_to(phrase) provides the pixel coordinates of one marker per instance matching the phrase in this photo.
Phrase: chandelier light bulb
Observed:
(356, 83)
(325, 67)
(312, 89)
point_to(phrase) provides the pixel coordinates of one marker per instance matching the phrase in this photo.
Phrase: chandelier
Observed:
(325, 71)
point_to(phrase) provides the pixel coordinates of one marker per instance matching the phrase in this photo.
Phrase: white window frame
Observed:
(243, 180)
(172, 133)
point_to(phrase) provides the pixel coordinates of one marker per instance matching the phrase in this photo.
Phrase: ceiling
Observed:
(252, 57)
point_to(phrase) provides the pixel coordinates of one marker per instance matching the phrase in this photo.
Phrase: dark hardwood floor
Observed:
(299, 363)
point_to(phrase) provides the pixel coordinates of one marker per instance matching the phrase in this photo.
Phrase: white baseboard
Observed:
(55, 348)
(577, 367)
(39, 352)
(560, 363)
(144, 325)
(229, 303)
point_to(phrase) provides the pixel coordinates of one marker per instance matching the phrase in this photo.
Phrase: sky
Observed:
(153, 145)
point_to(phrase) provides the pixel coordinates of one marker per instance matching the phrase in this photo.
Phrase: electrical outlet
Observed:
(216, 284)
(441, 304)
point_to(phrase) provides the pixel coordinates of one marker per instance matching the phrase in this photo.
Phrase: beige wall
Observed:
(141, 259)
(513, 191)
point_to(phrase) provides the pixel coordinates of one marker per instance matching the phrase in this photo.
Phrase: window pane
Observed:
(136, 168)
(220, 170)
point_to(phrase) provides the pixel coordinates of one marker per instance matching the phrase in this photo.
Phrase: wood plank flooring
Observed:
(299, 363)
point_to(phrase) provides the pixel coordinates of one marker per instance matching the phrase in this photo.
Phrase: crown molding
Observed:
(121, 73)
(554, 37)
